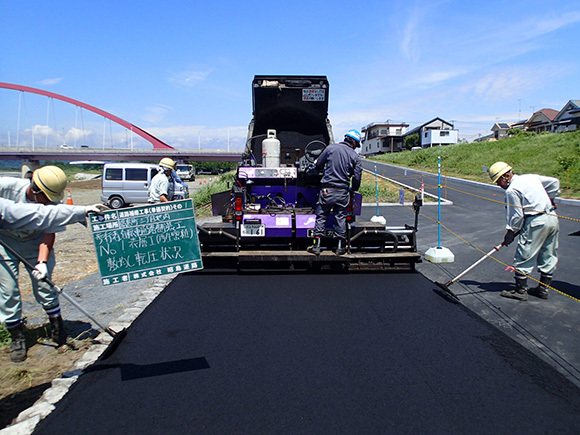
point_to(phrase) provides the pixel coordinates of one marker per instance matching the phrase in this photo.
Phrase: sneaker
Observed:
(314, 249)
(340, 251)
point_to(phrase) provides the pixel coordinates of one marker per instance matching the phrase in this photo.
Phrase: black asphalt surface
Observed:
(299, 353)
(365, 353)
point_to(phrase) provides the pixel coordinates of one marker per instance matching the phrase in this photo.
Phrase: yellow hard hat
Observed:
(498, 169)
(167, 163)
(51, 180)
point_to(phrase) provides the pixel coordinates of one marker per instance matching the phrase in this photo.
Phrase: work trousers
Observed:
(334, 201)
(10, 298)
(538, 244)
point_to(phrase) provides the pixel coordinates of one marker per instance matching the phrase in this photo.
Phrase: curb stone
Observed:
(28, 419)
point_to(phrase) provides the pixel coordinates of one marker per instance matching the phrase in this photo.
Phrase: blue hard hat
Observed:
(353, 134)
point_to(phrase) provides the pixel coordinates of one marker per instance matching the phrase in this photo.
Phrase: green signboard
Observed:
(143, 242)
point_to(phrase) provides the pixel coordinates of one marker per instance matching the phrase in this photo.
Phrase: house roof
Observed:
(572, 106)
(384, 124)
(500, 125)
(548, 113)
(416, 129)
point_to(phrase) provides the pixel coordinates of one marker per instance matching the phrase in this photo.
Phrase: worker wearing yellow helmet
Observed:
(530, 215)
(162, 187)
(46, 186)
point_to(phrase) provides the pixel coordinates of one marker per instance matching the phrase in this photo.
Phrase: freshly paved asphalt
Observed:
(299, 353)
(548, 328)
(365, 353)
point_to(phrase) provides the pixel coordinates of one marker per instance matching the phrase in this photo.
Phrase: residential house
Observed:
(435, 132)
(379, 138)
(500, 130)
(542, 120)
(568, 119)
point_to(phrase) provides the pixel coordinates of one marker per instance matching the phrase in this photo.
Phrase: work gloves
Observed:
(509, 237)
(40, 271)
(96, 208)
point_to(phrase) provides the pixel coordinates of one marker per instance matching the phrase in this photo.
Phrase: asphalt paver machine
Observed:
(267, 217)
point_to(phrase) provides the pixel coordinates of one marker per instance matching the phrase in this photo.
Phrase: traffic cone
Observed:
(69, 200)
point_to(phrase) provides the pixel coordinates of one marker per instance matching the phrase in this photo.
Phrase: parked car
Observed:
(185, 172)
(128, 183)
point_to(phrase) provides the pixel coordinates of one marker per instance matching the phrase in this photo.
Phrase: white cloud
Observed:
(50, 82)
(156, 114)
(190, 78)
(509, 82)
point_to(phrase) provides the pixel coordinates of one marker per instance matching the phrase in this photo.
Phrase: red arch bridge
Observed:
(160, 148)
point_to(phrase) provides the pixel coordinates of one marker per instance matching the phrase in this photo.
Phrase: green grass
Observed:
(554, 155)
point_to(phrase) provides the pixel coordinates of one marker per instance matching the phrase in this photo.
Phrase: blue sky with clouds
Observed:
(182, 70)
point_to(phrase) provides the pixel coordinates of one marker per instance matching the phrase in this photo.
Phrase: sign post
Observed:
(146, 241)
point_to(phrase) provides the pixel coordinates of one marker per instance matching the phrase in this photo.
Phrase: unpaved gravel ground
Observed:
(76, 272)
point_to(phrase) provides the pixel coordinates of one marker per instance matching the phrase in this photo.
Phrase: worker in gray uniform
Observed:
(162, 187)
(35, 245)
(340, 164)
(24, 216)
(531, 217)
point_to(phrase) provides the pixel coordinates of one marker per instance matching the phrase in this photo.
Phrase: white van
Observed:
(128, 183)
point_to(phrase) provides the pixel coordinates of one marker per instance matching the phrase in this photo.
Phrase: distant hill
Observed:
(555, 155)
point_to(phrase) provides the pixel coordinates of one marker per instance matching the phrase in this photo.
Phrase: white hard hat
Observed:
(167, 163)
(51, 180)
(498, 169)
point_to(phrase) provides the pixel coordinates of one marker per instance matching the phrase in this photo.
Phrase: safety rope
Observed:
(507, 266)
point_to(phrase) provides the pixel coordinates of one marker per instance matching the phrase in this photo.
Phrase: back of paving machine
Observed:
(267, 218)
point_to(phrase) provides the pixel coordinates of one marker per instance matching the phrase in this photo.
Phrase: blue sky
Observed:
(182, 70)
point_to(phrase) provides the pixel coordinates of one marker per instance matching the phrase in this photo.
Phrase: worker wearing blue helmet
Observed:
(341, 165)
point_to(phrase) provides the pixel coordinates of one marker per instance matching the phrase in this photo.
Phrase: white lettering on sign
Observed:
(313, 94)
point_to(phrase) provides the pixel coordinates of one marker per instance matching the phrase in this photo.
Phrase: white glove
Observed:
(96, 208)
(40, 271)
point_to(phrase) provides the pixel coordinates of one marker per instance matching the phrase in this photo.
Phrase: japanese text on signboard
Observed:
(147, 241)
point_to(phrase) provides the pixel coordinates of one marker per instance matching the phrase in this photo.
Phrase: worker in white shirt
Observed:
(162, 187)
(35, 244)
(531, 217)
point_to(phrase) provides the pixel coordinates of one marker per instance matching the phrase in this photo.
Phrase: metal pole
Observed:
(439, 200)
(377, 189)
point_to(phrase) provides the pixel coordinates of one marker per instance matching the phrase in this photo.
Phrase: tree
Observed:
(413, 140)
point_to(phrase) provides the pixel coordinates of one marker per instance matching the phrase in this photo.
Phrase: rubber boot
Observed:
(541, 291)
(315, 248)
(58, 332)
(520, 292)
(18, 345)
(341, 249)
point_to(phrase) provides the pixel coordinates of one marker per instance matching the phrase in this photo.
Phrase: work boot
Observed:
(521, 291)
(58, 332)
(315, 248)
(341, 248)
(541, 291)
(18, 345)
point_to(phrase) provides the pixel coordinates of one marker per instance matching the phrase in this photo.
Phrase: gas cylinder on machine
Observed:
(271, 150)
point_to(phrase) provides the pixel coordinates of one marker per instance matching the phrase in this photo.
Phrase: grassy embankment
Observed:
(554, 155)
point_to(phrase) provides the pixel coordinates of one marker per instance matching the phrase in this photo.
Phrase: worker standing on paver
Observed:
(530, 214)
(340, 163)
(162, 187)
(36, 246)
